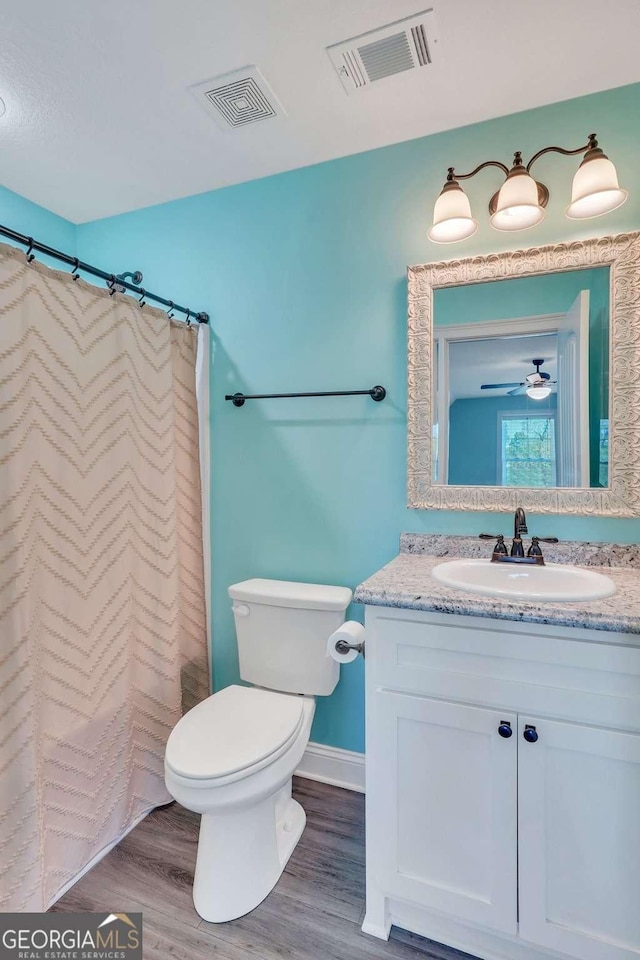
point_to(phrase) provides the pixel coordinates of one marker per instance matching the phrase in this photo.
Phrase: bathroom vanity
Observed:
(503, 760)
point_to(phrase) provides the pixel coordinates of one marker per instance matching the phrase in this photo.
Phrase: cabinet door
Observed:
(447, 790)
(579, 840)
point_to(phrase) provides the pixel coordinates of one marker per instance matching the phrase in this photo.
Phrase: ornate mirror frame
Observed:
(622, 497)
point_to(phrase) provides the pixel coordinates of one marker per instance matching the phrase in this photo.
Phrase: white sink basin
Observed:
(552, 582)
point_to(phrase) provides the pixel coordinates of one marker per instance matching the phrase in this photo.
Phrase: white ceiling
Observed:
(100, 120)
(498, 360)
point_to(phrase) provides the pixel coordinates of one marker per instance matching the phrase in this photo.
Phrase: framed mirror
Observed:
(524, 380)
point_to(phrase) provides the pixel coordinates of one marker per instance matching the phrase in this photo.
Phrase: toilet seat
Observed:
(234, 733)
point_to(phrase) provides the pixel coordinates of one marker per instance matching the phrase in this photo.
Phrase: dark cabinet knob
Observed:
(530, 733)
(505, 729)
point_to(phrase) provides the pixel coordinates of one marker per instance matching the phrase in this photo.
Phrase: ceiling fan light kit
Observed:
(537, 392)
(536, 385)
(521, 200)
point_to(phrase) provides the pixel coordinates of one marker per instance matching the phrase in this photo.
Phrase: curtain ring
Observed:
(170, 310)
(30, 256)
(111, 283)
(188, 317)
(141, 300)
(74, 272)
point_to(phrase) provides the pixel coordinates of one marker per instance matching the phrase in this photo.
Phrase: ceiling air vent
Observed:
(400, 46)
(238, 99)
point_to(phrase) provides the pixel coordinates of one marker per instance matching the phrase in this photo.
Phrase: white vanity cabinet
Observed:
(503, 785)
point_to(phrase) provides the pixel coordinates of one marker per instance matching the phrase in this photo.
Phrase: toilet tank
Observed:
(282, 629)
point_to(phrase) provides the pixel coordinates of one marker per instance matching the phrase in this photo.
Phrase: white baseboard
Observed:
(342, 768)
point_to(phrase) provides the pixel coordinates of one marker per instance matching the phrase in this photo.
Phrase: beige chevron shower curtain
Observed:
(102, 619)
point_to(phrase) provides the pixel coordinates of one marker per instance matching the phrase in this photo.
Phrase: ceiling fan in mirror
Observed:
(536, 385)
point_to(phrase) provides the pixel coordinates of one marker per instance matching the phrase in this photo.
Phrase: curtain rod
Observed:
(114, 281)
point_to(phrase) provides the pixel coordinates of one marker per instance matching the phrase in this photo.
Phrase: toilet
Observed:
(232, 757)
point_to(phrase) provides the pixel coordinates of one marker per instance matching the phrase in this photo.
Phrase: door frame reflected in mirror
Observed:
(621, 253)
(570, 355)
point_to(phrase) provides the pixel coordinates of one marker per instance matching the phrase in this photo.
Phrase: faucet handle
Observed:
(500, 549)
(535, 551)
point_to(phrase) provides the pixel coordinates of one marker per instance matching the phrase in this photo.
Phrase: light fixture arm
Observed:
(452, 175)
(592, 144)
(517, 169)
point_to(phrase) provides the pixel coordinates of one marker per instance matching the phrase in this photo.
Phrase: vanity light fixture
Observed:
(520, 201)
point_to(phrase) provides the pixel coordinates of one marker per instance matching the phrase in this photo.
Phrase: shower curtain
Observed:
(102, 612)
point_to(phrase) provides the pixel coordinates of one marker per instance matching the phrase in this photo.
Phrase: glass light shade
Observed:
(538, 393)
(595, 190)
(517, 207)
(452, 220)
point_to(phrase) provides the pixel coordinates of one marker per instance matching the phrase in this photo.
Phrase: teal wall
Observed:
(473, 436)
(304, 275)
(520, 297)
(26, 217)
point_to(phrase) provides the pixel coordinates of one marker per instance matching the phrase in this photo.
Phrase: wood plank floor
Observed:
(314, 912)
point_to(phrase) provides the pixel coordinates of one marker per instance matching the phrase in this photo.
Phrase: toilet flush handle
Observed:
(240, 609)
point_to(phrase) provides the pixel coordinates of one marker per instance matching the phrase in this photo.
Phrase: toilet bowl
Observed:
(242, 788)
(232, 757)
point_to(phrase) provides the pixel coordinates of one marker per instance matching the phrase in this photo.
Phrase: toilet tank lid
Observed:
(286, 593)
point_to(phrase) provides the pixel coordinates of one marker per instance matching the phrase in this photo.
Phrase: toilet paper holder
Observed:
(343, 647)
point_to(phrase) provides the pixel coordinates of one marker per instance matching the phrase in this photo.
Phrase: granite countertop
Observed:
(407, 582)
